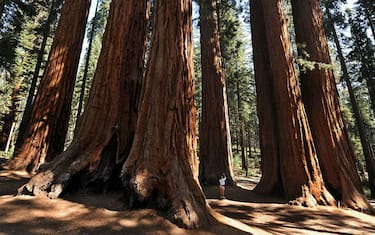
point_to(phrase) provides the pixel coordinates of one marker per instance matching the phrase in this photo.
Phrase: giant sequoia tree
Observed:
(162, 166)
(295, 171)
(214, 135)
(270, 182)
(320, 97)
(45, 134)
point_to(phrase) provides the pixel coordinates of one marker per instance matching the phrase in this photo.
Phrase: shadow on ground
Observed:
(89, 213)
(277, 217)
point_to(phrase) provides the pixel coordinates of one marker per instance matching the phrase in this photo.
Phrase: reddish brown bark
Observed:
(215, 152)
(47, 127)
(320, 97)
(35, 78)
(270, 182)
(107, 125)
(298, 165)
(162, 165)
(368, 153)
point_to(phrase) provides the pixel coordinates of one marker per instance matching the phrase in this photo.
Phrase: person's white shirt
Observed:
(222, 181)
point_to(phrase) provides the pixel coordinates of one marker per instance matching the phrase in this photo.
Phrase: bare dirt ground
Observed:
(244, 213)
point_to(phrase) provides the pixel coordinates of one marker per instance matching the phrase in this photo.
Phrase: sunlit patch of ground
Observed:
(89, 213)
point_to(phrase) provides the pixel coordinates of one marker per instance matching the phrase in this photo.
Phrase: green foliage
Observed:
(22, 29)
(363, 51)
(305, 64)
(238, 71)
(16, 54)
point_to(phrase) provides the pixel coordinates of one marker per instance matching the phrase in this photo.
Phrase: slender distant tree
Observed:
(46, 130)
(9, 120)
(241, 123)
(293, 145)
(214, 134)
(19, 72)
(363, 53)
(87, 62)
(320, 97)
(367, 8)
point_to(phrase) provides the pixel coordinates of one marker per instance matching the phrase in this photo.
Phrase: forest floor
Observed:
(244, 213)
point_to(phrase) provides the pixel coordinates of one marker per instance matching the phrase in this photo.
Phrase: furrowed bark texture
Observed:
(38, 66)
(270, 182)
(215, 153)
(46, 130)
(356, 110)
(320, 97)
(162, 166)
(299, 168)
(107, 125)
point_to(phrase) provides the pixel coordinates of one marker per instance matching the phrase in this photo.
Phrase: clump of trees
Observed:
(134, 121)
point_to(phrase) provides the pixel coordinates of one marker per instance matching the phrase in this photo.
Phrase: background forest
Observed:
(27, 30)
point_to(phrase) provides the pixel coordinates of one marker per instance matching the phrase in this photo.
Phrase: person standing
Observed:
(222, 186)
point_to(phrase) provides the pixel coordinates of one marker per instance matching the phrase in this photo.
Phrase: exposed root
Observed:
(306, 200)
(359, 205)
(184, 206)
(38, 185)
(184, 215)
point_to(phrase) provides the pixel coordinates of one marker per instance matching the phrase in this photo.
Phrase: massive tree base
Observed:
(181, 210)
(170, 194)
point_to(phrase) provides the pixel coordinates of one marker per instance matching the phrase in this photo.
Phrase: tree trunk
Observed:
(270, 182)
(215, 141)
(48, 124)
(163, 164)
(30, 97)
(367, 150)
(371, 91)
(320, 97)
(249, 154)
(107, 128)
(241, 128)
(304, 185)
